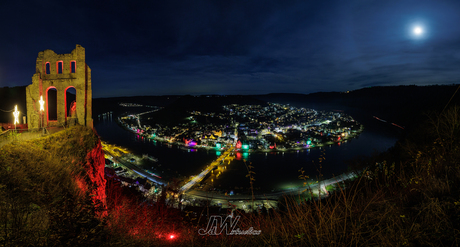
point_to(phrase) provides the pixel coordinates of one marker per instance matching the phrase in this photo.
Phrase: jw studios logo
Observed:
(216, 227)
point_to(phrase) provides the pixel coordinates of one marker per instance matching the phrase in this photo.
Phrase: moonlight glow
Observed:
(418, 30)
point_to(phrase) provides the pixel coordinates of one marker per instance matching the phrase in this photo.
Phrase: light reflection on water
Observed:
(273, 170)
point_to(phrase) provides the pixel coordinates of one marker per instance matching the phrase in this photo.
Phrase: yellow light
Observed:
(41, 103)
(16, 114)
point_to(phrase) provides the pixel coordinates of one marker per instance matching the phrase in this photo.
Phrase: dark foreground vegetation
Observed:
(50, 195)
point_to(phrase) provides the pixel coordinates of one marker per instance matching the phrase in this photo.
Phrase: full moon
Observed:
(418, 30)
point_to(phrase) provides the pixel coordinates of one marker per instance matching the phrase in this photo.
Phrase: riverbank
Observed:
(183, 145)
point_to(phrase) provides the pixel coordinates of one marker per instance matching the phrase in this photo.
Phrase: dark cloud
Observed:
(236, 47)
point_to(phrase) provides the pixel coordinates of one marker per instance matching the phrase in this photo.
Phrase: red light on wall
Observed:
(59, 67)
(47, 68)
(171, 236)
(73, 66)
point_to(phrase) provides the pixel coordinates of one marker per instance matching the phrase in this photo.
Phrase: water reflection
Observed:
(272, 169)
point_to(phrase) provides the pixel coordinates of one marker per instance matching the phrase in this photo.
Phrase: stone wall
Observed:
(55, 71)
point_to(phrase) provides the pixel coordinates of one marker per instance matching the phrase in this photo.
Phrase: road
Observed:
(266, 199)
(203, 174)
(134, 168)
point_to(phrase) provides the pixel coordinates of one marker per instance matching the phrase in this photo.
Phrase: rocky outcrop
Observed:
(94, 166)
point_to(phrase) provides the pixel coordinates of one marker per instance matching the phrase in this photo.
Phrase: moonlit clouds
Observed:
(237, 47)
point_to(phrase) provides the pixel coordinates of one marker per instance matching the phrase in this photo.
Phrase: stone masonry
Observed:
(61, 72)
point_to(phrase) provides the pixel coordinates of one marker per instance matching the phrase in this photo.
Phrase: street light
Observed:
(16, 116)
(41, 110)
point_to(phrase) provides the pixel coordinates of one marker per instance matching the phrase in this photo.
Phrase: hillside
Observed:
(52, 190)
(177, 111)
(405, 105)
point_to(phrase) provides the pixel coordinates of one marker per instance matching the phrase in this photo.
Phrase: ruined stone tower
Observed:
(60, 72)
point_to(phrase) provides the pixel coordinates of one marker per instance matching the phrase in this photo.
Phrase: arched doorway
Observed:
(51, 104)
(70, 105)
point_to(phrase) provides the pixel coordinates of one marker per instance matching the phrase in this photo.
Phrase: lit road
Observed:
(134, 168)
(318, 189)
(203, 174)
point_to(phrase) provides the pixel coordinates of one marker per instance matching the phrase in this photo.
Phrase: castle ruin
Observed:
(60, 72)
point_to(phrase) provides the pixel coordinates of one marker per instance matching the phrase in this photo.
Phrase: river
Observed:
(274, 171)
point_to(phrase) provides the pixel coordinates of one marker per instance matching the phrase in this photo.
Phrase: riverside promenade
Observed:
(269, 200)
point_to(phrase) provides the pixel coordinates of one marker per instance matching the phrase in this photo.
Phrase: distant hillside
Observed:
(404, 105)
(102, 105)
(176, 112)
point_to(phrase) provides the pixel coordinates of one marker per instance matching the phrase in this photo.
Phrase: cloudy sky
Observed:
(236, 47)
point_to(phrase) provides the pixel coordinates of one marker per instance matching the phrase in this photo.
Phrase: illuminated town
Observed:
(238, 129)
(253, 128)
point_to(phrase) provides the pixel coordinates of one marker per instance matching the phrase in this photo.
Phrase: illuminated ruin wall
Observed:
(60, 72)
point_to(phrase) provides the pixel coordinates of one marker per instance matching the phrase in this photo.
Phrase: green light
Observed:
(218, 146)
(308, 142)
(218, 153)
(245, 146)
(245, 155)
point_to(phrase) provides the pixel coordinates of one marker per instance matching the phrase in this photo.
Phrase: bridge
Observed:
(203, 174)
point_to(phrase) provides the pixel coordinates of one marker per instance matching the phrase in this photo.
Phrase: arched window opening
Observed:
(73, 66)
(47, 68)
(51, 104)
(59, 67)
(71, 102)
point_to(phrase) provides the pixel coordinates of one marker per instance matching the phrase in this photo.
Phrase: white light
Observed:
(41, 103)
(418, 30)
(16, 115)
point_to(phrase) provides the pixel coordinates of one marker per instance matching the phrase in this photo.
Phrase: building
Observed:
(60, 72)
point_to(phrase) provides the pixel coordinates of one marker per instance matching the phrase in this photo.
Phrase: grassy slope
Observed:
(40, 199)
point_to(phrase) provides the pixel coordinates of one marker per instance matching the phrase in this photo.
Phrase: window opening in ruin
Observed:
(59, 67)
(51, 103)
(73, 66)
(48, 69)
(71, 102)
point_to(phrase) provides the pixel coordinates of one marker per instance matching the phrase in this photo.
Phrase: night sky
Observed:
(236, 47)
